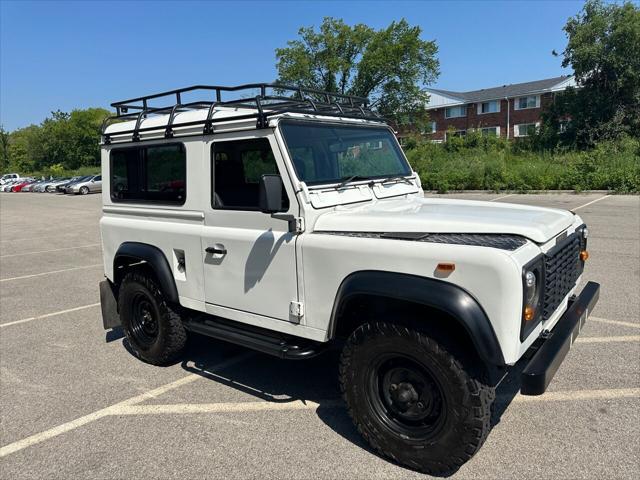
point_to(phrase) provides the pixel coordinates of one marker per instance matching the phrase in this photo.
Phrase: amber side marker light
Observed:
(446, 267)
(584, 255)
(529, 313)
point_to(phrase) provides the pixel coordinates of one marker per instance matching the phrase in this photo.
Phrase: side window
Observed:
(237, 169)
(155, 174)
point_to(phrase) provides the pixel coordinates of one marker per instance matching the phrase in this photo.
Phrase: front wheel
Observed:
(153, 327)
(84, 190)
(412, 399)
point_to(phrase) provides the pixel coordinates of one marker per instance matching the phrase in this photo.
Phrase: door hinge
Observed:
(296, 309)
(298, 224)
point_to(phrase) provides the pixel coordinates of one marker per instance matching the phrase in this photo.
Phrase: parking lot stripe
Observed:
(50, 273)
(49, 251)
(111, 410)
(563, 396)
(589, 203)
(615, 322)
(47, 315)
(622, 338)
(503, 196)
(237, 407)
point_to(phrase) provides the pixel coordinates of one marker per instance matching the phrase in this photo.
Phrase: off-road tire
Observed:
(84, 190)
(169, 342)
(467, 397)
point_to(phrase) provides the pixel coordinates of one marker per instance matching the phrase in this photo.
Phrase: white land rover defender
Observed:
(288, 219)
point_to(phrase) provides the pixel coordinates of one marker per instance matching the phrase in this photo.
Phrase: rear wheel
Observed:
(412, 399)
(84, 190)
(153, 328)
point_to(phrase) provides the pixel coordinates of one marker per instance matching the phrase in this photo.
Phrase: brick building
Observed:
(509, 111)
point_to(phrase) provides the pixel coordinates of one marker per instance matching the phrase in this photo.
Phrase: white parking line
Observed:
(622, 338)
(47, 315)
(181, 408)
(589, 203)
(608, 394)
(615, 322)
(49, 251)
(503, 196)
(111, 410)
(50, 273)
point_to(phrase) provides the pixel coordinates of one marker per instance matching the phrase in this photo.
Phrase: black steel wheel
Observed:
(406, 396)
(152, 326)
(413, 399)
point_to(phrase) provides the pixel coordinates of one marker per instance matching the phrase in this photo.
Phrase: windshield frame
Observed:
(336, 123)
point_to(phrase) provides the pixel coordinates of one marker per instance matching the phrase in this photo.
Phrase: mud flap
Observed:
(109, 305)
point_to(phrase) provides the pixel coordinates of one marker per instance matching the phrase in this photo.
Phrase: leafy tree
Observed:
(4, 149)
(390, 65)
(66, 140)
(604, 51)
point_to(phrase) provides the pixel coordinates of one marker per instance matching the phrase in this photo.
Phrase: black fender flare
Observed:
(133, 252)
(438, 294)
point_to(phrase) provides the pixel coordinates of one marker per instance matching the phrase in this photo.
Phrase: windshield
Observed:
(335, 153)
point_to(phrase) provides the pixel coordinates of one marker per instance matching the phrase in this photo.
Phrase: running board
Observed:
(256, 338)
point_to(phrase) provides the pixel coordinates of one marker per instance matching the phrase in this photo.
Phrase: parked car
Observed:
(9, 185)
(67, 187)
(41, 187)
(31, 186)
(310, 229)
(51, 187)
(9, 177)
(93, 185)
(61, 186)
(21, 184)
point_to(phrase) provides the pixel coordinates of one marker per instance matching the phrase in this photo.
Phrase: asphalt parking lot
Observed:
(74, 403)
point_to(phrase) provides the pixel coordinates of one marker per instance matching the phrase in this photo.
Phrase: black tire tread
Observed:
(481, 397)
(176, 338)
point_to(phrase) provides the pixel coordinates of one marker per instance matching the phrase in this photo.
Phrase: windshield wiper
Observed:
(399, 178)
(345, 180)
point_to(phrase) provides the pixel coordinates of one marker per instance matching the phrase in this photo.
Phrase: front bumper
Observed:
(545, 363)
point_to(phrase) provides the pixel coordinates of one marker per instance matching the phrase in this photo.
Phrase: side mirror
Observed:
(270, 193)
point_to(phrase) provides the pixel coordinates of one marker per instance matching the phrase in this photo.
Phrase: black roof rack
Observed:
(272, 99)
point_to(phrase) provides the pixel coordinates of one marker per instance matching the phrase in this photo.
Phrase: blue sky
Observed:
(66, 55)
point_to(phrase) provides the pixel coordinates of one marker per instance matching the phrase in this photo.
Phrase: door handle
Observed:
(220, 250)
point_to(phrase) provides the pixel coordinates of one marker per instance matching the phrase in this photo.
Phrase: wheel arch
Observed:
(131, 253)
(427, 294)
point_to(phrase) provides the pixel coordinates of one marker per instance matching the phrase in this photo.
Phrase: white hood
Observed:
(415, 214)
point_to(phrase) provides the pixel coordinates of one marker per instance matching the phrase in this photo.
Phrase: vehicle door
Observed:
(249, 256)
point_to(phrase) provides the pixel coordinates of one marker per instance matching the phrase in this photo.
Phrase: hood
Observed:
(429, 215)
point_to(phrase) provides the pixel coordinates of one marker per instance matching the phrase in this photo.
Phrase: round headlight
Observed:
(585, 232)
(530, 279)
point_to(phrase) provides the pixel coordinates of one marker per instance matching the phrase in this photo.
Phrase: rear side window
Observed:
(155, 174)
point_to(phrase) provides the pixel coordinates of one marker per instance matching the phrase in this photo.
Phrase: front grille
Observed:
(562, 267)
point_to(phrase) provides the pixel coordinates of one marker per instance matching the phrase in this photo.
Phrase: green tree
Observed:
(390, 66)
(4, 149)
(67, 140)
(603, 49)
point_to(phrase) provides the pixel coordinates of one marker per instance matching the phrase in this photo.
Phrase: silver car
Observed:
(92, 185)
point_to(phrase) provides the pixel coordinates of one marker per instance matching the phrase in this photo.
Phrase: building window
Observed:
(525, 129)
(454, 112)
(149, 174)
(457, 133)
(489, 107)
(490, 131)
(564, 124)
(429, 128)
(531, 101)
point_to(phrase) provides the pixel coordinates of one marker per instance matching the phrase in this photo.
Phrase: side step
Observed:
(256, 338)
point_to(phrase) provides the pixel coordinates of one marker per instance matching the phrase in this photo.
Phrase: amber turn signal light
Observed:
(529, 313)
(446, 267)
(584, 255)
